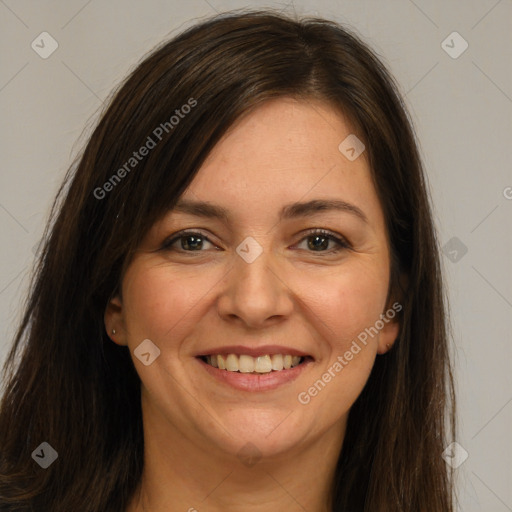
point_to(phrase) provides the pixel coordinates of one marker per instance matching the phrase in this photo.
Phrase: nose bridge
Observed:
(255, 290)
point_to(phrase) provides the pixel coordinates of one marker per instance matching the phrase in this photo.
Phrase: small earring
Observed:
(388, 345)
(113, 331)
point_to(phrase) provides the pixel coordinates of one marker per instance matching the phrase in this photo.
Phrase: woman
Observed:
(239, 303)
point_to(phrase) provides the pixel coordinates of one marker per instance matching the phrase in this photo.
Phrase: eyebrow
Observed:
(289, 211)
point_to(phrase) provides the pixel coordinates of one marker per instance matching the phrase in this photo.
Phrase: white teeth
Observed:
(248, 364)
(245, 364)
(263, 364)
(232, 363)
(277, 362)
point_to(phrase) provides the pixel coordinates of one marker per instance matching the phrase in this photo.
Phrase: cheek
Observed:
(158, 300)
(346, 306)
(342, 301)
(346, 301)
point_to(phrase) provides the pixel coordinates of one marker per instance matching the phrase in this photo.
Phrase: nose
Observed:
(256, 294)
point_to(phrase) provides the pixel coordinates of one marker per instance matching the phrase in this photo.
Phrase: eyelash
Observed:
(342, 242)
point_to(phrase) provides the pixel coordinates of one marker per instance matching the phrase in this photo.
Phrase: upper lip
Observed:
(253, 351)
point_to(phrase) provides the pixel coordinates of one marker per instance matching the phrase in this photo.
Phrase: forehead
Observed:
(282, 152)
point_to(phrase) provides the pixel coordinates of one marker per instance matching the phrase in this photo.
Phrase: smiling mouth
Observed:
(256, 365)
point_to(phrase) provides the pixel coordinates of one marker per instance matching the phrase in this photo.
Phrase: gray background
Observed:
(461, 108)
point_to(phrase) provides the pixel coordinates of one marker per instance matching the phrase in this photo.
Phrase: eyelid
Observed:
(190, 231)
(168, 242)
(342, 242)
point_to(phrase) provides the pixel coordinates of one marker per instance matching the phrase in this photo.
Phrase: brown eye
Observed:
(191, 241)
(318, 241)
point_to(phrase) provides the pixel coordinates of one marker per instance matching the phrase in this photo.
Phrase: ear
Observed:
(114, 321)
(392, 316)
(389, 333)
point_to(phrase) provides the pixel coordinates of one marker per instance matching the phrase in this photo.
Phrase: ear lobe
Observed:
(387, 336)
(391, 328)
(114, 321)
(391, 318)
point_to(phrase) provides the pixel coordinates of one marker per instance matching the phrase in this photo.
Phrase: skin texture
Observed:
(293, 294)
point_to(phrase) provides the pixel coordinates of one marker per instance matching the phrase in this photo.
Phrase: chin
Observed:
(259, 433)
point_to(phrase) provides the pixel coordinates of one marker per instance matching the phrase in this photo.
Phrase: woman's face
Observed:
(261, 284)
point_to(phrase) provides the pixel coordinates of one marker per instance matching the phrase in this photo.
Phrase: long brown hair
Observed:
(66, 383)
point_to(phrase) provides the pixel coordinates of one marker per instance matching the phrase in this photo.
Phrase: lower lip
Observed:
(254, 382)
